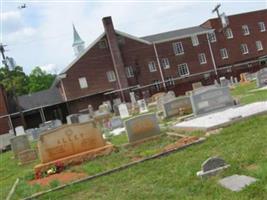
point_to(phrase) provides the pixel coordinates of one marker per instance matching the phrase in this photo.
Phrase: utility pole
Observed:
(216, 9)
(2, 50)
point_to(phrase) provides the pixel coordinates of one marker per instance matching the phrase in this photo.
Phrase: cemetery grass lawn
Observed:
(242, 145)
(246, 95)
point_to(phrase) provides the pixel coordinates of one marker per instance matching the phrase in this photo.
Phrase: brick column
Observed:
(115, 54)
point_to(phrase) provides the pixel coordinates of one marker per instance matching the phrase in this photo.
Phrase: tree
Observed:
(14, 78)
(39, 80)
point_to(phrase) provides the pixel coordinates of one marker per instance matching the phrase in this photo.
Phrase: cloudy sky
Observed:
(41, 34)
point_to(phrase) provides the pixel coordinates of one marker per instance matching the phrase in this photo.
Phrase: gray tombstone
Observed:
(235, 80)
(116, 122)
(175, 106)
(5, 140)
(212, 166)
(19, 144)
(132, 97)
(27, 156)
(261, 78)
(224, 82)
(208, 99)
(142, 106)
(91, 110)
(212, 163)
(73, 119)
(84, 118)
(142, 127)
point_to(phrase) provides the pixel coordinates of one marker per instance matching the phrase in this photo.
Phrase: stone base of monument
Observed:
(222, 118)
(77, 158)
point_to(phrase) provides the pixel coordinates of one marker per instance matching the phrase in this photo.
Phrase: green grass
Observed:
(174, 177)
(247, 95)
(242, 145)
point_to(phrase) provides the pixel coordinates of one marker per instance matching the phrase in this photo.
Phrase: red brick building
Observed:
(117, 63)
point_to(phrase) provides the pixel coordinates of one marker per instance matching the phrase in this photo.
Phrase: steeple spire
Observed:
(78, 43)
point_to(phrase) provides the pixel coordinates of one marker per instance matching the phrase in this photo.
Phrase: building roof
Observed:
(180, 33)
(40, 99)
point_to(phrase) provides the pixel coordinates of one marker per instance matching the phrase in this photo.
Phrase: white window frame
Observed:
(212, 37)
(229, 33)
(83, 82)
(165, 63)
(259, 46)
(244, 48)
(194, 40)
(169, 81)
(202, 58)
(129, 72)
(178, 48)
(224, 53)
(262, 26)
(111, 76)
(157, 84)
(152, 66)
(184, 69)
(245, 29)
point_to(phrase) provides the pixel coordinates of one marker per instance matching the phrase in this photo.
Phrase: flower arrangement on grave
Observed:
(57, 168)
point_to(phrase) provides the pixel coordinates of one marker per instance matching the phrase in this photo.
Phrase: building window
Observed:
(259, 45)
(229, 33)
(169, 81)
(178, 48)
(183, 69)
(262, 26)
(245, 30)
(152, 66)
(111, 76)
(102, 44)
(165, 63)
(129, 72)
(212, 37)
(224, 53)
(244, 48)
(195, 41)
(157, 84)
(83, 82)
(202, 58)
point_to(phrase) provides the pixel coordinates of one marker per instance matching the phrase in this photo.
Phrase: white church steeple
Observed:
(78, 43)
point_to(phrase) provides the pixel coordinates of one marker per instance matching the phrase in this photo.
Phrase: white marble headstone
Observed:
(123, 110)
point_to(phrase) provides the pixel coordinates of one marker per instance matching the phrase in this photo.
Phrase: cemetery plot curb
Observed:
(159, 155)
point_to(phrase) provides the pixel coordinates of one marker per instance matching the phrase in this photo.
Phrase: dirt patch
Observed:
(181, 142)
(63, 177)
(252, 167)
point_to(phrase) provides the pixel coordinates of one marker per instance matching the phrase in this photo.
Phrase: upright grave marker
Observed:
(142, 106)
(19, 144)
(142, 127)
(71, 144)
(176, 106)
(208, 99)
(123, 110)
(261, 78)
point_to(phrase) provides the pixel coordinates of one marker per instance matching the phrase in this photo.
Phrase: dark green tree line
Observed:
(36, 81)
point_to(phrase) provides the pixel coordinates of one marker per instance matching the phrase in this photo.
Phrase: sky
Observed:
(41, 34)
